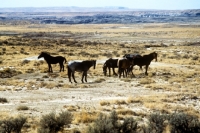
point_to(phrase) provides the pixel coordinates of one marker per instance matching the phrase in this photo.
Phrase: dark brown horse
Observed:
(123, 65)
(145, 60)
(110, 63)
(132, 57)
(53, 60)
(83, 66)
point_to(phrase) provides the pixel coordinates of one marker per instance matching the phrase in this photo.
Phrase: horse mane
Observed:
(45, 52)
(149, 54)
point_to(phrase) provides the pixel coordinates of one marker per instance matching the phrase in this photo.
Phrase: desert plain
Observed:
(172, 83)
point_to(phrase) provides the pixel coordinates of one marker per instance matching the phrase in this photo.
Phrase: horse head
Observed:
(41, 55)
(155, 55)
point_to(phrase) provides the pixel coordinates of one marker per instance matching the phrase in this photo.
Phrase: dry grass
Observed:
(146, 81)
(22, 107)
(84, 117)
(105, 103)
(119, 102)
(125, 112)
(176, 79)
(132, 99)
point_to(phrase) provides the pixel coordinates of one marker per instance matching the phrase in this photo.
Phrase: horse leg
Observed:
(141, 68)
(84, 75)
(69, 74)
(60, 66)
(146, 70)
(50, 68)
(119, 72)
(109, 71)
(114, 71)
(74, 77)
(131, 70)
(63, 67)
(124, 71)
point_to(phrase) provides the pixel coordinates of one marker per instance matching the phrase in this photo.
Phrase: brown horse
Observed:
(110, 63)
(145, 60)
(53, 60)
(131, 57)
(83, 66)
(123, 65)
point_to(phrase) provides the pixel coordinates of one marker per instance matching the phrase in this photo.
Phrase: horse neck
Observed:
(91, 63)
(152, 57)
(105, 65)
(47, 56)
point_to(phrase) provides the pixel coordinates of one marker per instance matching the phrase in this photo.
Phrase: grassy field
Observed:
(172, 84)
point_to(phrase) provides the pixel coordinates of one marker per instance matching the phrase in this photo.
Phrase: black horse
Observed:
(53, 60)
(110, 63)
(145, 60)
(123, 65)
(83, 66)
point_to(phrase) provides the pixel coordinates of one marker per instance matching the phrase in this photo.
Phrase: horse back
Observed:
(80, 66)
(73, 65)
(142, 61)
(111, 63)
(124, 63)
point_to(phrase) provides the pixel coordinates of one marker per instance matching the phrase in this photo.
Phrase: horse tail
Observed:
(65, 60)
(119, 63)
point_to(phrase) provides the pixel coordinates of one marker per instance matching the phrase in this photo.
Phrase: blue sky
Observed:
(137, 4)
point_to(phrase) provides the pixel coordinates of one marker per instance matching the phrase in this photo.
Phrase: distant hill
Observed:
(97, 15)
(65, 9)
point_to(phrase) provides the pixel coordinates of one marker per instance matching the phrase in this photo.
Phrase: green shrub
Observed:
(111, 124)
(156, 123)
(179, 123)
(25, 62)
(184, 123)
(22, 108)
(3, 49)
(51, 123)
(101, 125)
(12, 125)
(3, 100)
(30, 70)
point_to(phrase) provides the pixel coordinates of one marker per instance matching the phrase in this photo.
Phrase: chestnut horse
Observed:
(123, 65)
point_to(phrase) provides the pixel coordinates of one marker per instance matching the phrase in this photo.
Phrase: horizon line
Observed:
(117, 7)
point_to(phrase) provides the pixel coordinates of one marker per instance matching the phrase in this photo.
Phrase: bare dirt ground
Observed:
(172, 83)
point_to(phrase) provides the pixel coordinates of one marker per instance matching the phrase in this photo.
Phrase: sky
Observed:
(135, 4)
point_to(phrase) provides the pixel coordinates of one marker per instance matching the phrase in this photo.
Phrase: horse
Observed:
(53, 60)
(145, 60)
(132, 57)
(123, 65)
(110, 63)
(83, 66)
